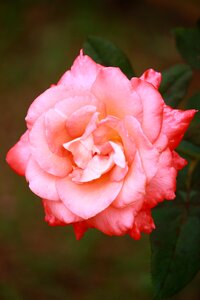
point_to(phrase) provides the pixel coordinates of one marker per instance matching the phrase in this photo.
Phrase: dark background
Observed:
(39, 40)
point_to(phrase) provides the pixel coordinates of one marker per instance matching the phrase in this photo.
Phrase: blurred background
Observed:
(39, 41)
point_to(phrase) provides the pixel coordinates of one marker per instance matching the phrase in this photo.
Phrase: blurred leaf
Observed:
(175, 243)
(188, 44)
(193, 133)
(106, 53)
(185, 147)
(175, 81)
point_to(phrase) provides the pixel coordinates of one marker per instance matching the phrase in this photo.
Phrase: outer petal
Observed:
(82, 74)
(47, 160)
(143, 223)
(152, 77)
(57, 214)
(152, 107)
(114, 89)
(163, 184)
(133, 189)
(175, 123)
(114, 221)
(148, 154)
(40, 182)
(18, 156)
(88, 199)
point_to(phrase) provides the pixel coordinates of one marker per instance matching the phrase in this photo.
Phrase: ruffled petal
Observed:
(57, 214)
(114, 89)
(153, 77)
(18, 156)
(88, 199)
(46, 159)
(175, 123)
(152, 103)
(143, 223)
(82, 74)
(41, 183)
(163, 184)
(113, 221)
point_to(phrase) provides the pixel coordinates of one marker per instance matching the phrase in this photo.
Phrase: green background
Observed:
(39, 41)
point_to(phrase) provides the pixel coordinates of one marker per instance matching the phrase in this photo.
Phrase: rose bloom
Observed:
(99, 149)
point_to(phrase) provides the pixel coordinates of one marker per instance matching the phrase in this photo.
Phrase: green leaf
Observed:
(106, 53)
(188, 44)
(175, 243)
(175, 81)
(193, 133)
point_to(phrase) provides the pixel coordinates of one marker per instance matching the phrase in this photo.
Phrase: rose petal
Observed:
(143, 223)
(40, 182)
(153, 77)
(163, 184)
(96, 167)
(82, 74)
(81, 150)
(175, 123)
(113, 221)
(47, 160)
(79, 229)
(55, 210)
(148, 154)
(88, 199)
(133, 190)
(56, 132)
(78, 121)
(18, 156)
(152, 103)
(114, 89)
(72, 104)
(46, 101)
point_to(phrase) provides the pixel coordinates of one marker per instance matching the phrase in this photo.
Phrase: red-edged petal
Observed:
(56, 211)
(163, 184)
(143, 223)
(113, 221)
(88, 199)
(153, 77)
(175, 123)
(18, 156)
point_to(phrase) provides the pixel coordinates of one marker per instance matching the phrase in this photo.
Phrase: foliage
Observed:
(175, 244)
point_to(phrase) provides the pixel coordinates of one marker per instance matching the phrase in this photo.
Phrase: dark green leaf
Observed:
(188, 44)
(175, 243)
(193, 133)
(175, 81)
(106, 53)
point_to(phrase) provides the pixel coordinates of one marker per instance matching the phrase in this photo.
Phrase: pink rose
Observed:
(99, 149)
